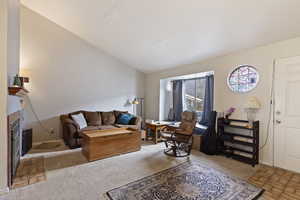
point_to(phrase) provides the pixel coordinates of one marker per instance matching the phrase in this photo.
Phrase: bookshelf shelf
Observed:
(238, 135)
(240, 127)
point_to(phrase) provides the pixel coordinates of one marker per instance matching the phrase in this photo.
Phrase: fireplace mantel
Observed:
(17, 91)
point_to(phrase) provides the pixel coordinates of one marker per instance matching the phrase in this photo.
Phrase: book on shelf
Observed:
(243, 139)
(243, 124)
(243, 154)
(246, 148)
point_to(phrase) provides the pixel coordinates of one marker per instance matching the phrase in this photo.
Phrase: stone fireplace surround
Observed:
(14, 144)
(14, 131)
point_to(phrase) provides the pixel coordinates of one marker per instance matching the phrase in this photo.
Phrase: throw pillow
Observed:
(124, 119)
(80, 120)
(133, 121)
(118, 112)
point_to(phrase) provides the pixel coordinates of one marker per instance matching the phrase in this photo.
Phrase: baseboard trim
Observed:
(4, 191)
(266, 163)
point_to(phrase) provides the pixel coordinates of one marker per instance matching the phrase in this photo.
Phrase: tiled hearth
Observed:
(30, 171)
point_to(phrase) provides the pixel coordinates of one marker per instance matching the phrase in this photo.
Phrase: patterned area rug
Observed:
(188, 181)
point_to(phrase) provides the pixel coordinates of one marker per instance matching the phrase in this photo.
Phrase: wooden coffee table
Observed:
(99, 144)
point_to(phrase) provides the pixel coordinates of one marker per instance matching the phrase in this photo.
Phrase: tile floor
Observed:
(71, 177)
(30, 171)
(278, 183)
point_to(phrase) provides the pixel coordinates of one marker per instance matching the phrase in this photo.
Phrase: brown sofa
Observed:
(96, 121)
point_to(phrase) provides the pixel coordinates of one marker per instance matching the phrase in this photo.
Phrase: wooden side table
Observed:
(155, 127)
(143, 134)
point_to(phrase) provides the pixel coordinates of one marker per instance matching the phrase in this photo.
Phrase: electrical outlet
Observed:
(52, 130)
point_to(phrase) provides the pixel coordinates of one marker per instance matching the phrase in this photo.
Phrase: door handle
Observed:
(278, 121)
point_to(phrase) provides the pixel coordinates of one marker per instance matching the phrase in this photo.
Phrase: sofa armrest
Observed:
(66, 120)
(71, 122)
(70, 131)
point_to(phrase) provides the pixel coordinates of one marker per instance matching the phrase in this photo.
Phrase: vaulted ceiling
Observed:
(153, 35)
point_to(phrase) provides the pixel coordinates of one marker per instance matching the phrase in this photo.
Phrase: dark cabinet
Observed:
(26, 141)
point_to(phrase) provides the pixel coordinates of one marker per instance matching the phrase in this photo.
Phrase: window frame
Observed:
(237, 68)
(195, 97)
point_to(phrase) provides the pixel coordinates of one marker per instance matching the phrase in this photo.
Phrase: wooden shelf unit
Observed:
(247, 148)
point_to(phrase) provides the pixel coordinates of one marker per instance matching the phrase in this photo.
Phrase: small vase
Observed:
(17, 81)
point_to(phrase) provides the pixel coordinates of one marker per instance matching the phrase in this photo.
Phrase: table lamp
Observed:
(251, 107)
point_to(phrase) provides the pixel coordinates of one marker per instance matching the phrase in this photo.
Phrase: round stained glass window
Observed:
(243, 79)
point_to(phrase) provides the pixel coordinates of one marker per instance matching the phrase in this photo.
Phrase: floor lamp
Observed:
(139, 101)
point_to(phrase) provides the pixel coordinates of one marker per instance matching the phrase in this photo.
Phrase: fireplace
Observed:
(14, 144)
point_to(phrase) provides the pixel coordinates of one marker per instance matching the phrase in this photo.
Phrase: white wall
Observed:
(67, 74)
(9, 58)
(260, 57)
(3, 95)
(13, 36)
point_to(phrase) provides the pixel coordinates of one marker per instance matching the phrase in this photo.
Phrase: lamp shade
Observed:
(135, 101)
(253, 103)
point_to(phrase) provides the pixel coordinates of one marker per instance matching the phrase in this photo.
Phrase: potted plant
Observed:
(228, 113)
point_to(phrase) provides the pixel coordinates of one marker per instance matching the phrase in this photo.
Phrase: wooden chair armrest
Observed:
(166, 129)
(182, 132)
(172, 128)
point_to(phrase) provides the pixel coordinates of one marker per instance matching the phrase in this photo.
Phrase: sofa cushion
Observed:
(124, 118)
(104, 127)
(90, 128)
(93, 118)
(126, 126)
(80, 120)
(108, 118)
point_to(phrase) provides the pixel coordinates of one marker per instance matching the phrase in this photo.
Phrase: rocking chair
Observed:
(179, 139)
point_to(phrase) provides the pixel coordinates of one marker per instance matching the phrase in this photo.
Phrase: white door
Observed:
(287, 114)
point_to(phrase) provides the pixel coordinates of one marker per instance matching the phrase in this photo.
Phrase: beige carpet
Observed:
(71, 177)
